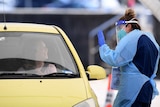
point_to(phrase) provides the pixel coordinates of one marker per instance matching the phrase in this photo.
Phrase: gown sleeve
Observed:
(123, 53)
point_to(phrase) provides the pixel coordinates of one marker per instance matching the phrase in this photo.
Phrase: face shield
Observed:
(120, 28)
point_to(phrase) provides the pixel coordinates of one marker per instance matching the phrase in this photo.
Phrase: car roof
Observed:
(28, 27)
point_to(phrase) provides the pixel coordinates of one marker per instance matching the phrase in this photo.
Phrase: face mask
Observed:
(121, 34)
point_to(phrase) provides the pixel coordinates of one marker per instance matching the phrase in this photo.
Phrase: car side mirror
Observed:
(95, 72)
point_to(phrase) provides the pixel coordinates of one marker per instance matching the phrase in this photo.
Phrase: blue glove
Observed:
(101, 40)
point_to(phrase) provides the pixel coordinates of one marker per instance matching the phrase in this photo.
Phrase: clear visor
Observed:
(118, 28)
(121, 25)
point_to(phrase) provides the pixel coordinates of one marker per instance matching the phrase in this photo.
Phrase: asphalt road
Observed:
(100, 88)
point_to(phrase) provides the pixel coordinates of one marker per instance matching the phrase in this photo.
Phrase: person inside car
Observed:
(35, 54)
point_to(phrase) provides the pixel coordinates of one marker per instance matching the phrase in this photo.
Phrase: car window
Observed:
(28, 52)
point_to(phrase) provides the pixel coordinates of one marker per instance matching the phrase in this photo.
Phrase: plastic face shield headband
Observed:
(121, 24)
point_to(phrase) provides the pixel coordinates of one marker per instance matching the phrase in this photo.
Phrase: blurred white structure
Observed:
(110, 4)
(7, 5)
(154, 6)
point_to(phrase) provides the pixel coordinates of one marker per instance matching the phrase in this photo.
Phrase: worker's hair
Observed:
(131, 16)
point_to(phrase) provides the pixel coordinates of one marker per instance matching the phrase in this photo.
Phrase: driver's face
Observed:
(42, 51)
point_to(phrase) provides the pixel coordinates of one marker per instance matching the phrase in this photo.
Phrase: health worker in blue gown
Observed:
(137, 57)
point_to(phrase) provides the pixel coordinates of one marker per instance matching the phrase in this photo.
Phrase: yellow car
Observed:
(39, 67)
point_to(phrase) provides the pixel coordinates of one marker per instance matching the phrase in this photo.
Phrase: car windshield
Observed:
(40, 54)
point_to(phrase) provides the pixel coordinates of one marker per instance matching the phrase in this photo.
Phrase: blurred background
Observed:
(81, 20)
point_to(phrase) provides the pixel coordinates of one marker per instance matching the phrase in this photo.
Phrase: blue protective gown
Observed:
(132, 78)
